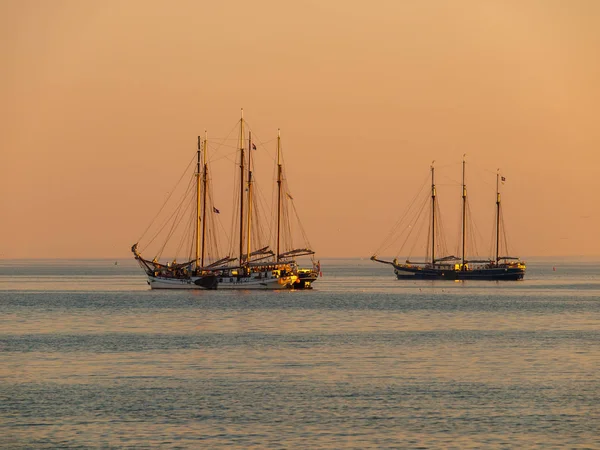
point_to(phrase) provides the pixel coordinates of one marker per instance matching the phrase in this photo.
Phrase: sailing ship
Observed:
(450, 267)
(250, 269)
(287, 252)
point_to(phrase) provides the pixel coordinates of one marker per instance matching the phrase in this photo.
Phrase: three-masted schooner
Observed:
(450, 267)
(250, 268)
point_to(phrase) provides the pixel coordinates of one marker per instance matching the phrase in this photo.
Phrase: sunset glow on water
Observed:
(90, 357)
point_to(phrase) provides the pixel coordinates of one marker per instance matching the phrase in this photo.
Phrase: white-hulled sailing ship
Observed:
(450, 267)
(251, 268)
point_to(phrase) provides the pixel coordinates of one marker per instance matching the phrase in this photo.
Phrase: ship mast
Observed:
(198, 173)
(432, 215)
(497, 215)
(249, 194)
(204, 193)
(464, 212)
(278, 191)
(242, 158)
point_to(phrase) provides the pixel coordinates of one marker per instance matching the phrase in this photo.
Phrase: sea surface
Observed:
(91, 358)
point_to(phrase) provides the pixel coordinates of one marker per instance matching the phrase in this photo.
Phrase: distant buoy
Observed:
(553, 269)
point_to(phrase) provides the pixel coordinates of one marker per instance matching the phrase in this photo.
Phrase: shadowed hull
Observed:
(228, 283)
(492, 273)
(305, 280)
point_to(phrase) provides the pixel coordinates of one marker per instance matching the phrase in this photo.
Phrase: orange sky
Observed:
(101, 103)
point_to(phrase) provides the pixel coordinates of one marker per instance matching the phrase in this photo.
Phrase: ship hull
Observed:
(490, 273)
(228, 283)
(305, 280)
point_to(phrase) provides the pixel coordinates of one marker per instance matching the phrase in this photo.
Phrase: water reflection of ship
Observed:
(450, 267)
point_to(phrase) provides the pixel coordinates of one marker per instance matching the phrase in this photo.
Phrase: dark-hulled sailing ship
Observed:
(450, 267)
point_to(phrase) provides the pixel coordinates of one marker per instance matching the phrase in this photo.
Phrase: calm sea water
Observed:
(90, 357)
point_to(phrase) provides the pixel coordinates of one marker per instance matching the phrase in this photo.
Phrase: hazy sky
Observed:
(101, 103)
